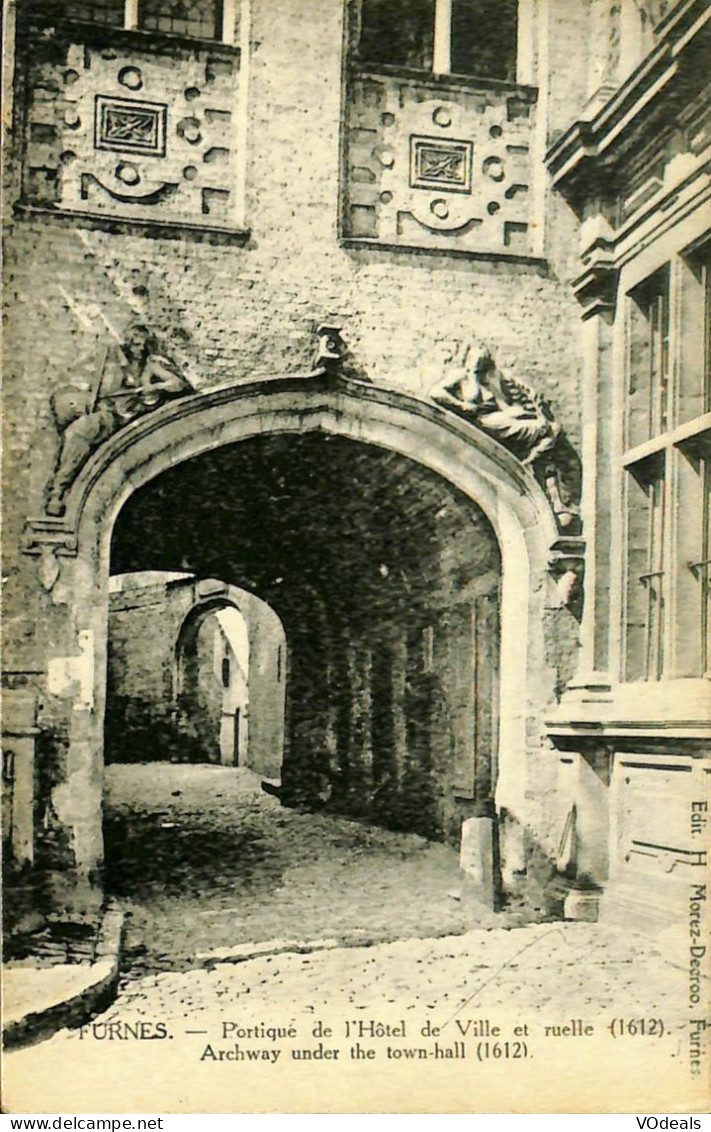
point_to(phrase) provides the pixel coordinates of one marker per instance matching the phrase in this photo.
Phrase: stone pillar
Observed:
(583, 847)
(635, 36)
(69, 587)
(596, 290)
(360, 751)
(399, 732)
(476, 860)
(526, 54)
(584, 772)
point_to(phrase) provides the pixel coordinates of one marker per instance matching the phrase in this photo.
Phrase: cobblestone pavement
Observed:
(554, 1017)
(579, 980)
(201, 859)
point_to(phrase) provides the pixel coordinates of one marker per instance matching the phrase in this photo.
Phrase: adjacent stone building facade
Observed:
(388, 314)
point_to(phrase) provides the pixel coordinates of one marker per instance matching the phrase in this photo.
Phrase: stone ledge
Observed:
(161, 229)
(422, 77)
(137, 39)
(538, 263)
(40, 1001)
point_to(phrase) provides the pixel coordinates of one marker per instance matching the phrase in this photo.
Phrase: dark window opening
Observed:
(648, 390)
(468, 37)
(199, 19)
(400, 32)
(196, 19)
(646, 591)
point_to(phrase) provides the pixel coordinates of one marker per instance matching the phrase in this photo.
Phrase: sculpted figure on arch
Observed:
(520, 419)
(509, 410)
(131, 379)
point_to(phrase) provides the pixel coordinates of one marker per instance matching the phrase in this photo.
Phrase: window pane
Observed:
(646, 523)
(397, 31)
(98, 11)
(201, 19)
(649, 361)
(484, 38)
(695, 329)
(653, 582)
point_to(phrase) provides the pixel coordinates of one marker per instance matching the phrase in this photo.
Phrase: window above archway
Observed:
(198, 19)
(440, 132)
(464, 37)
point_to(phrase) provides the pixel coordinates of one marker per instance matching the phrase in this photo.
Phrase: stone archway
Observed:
(211, 721)
(250, 733)
(505, 491)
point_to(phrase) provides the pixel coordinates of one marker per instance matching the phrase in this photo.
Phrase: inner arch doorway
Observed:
(195, 673)
(211, 692)
(229, 664)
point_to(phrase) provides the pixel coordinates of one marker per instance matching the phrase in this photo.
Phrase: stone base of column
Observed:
(582, 904)
(477, 861)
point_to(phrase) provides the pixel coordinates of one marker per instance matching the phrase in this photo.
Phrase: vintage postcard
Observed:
(357, 535)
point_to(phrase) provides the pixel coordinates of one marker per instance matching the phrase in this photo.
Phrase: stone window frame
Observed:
(666, 476)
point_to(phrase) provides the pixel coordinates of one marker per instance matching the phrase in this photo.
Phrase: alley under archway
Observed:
(204, 862)
(386, 580)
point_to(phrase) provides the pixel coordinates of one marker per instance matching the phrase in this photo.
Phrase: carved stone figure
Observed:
(132, 379)
(507, 409)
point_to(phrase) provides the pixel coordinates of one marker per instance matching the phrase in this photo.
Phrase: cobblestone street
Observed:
(578, 980)
(567, 1017)
(202, 859)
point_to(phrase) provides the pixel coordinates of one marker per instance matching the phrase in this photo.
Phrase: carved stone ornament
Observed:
(566, 564)
(330, 346)
(510, 411)
(520, 419)
(47, 540)
(131, 380)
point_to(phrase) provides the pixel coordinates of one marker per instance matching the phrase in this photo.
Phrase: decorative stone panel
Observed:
(116, 128)
(439, 166)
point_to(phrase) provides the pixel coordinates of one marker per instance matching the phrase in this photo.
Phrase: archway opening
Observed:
(386, 579)
(179, 686)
